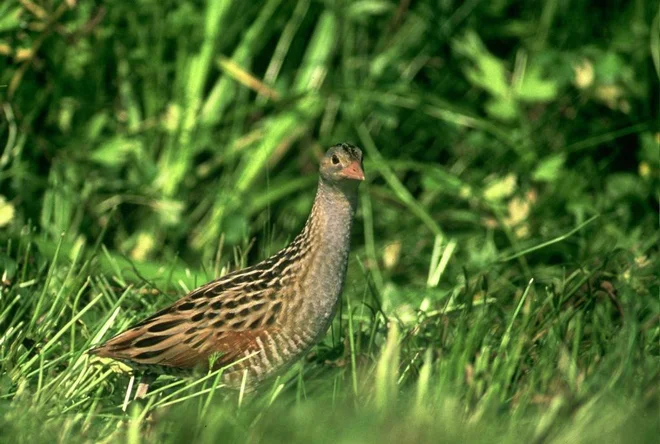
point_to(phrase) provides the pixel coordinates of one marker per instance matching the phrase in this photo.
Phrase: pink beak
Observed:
(353, 171)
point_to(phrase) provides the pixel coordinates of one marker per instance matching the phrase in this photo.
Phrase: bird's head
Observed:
(342, 165)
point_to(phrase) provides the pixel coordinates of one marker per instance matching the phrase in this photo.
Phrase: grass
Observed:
(503, 283)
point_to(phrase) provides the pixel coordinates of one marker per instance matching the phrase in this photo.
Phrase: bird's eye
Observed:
(335, 159)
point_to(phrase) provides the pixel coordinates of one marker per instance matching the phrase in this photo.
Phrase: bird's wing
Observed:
(231, 322)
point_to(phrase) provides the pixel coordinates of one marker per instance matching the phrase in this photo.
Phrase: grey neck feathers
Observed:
(334, 208)
(328, 231)
(327, 236)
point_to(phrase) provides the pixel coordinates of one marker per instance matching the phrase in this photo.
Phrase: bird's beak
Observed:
(352, 171)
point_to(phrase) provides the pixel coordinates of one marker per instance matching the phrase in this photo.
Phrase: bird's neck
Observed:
(326, 237)
(332, 214)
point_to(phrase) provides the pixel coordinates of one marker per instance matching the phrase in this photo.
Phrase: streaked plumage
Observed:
(268, 315)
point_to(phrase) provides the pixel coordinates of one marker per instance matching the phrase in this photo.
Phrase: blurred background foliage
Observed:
(173, 130)
(195, 120)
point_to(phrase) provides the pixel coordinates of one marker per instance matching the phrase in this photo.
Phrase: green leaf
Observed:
(504, 109)
(96, 124)
(649, 152)
(9, 18)
(623, 185)
(488, 72)
(549, 168)
(536, 89)
(501, 188)
(608, 68)
(7, 212)
(117, 151)
(362, 10)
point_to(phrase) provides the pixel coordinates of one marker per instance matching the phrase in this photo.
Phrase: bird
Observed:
(256, 322)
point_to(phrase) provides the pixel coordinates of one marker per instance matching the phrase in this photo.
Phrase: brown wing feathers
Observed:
(211, 319)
